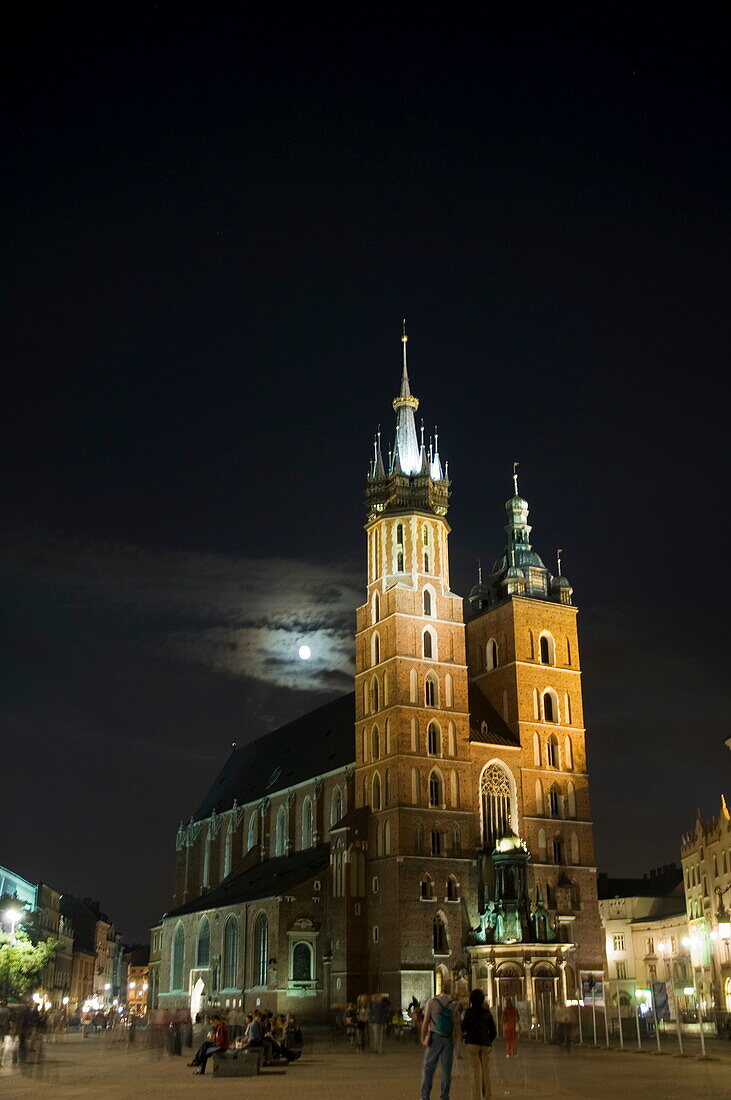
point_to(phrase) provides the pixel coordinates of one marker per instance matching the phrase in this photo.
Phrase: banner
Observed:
(660, 996)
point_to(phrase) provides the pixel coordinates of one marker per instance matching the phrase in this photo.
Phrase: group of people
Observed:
(366, 1021)
(443, 1026)
(278, 1038)
(23, 1027)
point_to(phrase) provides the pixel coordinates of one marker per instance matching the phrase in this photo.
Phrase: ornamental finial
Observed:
(515, 476)
(479, 571)
(558, 561)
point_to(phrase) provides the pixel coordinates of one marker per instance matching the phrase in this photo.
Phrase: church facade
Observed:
(435, 823)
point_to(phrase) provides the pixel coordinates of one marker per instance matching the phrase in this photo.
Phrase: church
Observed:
(435, 823)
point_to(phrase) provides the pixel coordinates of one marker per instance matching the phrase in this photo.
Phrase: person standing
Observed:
(437, 1036)
(565, 1026)
(479, 1031)
(511, 1019)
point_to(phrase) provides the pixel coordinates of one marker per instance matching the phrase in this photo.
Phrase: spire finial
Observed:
(436, 438)
(404, 341)
(515, 476)
(422, 433)
(558, 561)
(479, 571)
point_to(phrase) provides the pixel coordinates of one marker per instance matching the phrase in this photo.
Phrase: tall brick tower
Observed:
(412, 720)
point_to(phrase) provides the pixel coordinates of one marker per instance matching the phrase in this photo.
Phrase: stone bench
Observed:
(237, 1063)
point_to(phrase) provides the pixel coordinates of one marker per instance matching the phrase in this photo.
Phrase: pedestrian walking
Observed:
(511, 1020)
(375, 1022)
(479, 1031)
(437, 1036)
(361, 1022)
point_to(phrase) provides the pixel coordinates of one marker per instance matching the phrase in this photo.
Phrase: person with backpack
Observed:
(479, 1031)
(437, 1036)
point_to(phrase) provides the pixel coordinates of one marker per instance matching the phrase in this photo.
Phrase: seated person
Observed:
(216, 1042)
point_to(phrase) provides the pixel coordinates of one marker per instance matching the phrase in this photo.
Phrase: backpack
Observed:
(444, 1022)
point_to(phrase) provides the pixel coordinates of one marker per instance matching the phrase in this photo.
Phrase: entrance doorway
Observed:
(196, 998)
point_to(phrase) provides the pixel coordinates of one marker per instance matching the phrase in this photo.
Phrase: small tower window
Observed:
(440, 937)
(376, 615)
(426, 562)
(554, 801)
(400, 534)
(426, 535)
(427, 602)
(436, 842)
(549, 708)
(375, 743)
(429, 645)
(546, 650)
(430, 692)
(435, 789)
(376, 792)
(376, 650)
(552, 751)
(433, 739)
(374, 694)
(400, 562)
(452, 889)
(492, 655)
(426, 889)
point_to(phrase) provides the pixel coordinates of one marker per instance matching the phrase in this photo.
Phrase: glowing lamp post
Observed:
(12, 917)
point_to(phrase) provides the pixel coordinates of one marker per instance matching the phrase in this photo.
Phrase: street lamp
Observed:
(12, 916)
(723, 920)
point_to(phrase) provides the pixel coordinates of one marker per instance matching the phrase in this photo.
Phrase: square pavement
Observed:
(103, 1067)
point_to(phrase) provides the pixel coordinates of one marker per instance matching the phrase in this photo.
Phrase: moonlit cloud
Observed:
(236, 616)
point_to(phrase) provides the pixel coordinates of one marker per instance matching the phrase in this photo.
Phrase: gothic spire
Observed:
(405, 405)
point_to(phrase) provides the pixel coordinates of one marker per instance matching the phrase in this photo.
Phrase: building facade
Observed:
(706, 859)
(647, 941)
(435, 823)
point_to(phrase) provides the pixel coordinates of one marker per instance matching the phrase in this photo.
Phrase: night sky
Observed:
(213, 225)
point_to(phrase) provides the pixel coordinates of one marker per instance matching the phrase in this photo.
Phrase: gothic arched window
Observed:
(440, 944)
(492, 655)
(375, 649)
(376, 611)
(436, 841)
(376, 799)
(253, 835)
(419, 840)
(549, 707)
(436, 797)
(427, 602)
(307, 822)
(496, 793)
(426, 887)
(433, 739)
(203, 949)
(230, 953)
(177, 959)
(374, 695)
(261, 949)
(430, 692)
(375, 743)
(554, 801)
(302, 962)
(336, 806)
(429, 644)
(552, 751)
(280, 832)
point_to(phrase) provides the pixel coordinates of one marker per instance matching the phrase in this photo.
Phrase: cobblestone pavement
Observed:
(109, 1070)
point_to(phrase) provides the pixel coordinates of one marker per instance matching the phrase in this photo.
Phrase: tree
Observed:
(22, 962)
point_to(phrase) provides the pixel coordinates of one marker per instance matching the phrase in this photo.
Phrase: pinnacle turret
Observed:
(413, 478)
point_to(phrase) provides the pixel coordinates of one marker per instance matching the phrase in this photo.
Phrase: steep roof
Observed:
(661, 882)
(265, 880)
(481, 710)
(311, 745)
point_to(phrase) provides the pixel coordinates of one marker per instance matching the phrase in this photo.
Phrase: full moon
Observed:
(305, 652)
